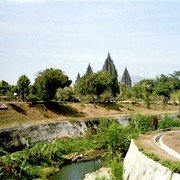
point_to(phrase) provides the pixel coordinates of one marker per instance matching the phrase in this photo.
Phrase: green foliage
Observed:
(117, 168)
(142, 123)
(31, 161)
(33, 98)
(162, 86)
(173, 166)
(175, 96)
(48, 81)
(23, 86)
(66, 94)
(144, 90)
(4, 88)
(168, 122)
(94, 86)
(113, 136)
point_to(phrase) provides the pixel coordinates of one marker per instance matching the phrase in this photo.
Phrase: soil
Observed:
(146, 142)
(172, 140)
(19, 113)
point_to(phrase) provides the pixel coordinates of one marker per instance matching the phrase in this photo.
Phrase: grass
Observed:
(110, 141)
(19, 113)
(173, 166)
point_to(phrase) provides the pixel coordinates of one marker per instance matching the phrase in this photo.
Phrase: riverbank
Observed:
(18, 113)
(110, 139)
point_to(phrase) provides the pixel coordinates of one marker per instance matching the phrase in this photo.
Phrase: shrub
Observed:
(113, 136)
(168, 122)
(117, 168)
(143, 123)
(33, 98)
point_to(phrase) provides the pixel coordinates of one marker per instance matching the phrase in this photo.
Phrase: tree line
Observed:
(101, 86)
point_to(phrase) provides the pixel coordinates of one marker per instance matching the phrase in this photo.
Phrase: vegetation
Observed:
(97, 87)
(110, 139)
(48, 81)
(23, 86)
(173, 166)
(168, 122)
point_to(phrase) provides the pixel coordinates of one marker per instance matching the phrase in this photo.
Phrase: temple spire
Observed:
(78, 78)
(89, 69)
(126, 79)
(109, 66)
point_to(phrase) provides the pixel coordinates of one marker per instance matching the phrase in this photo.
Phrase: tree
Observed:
(164, 87)
(65, 94)
(148, 89)
(23, 86)
(175, 96)
(175, 80)
(48, 81)
(93, 86)
(137, 91)
(4, 87)
(144, 90)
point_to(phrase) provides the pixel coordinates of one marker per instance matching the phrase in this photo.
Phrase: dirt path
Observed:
(172, 140)
(146, 142)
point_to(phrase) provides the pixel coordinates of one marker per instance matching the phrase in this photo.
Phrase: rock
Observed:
(101, 173)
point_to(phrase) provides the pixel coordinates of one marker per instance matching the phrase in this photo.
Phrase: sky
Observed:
(143, 36)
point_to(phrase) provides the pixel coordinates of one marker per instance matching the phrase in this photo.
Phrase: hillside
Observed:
(19, 113)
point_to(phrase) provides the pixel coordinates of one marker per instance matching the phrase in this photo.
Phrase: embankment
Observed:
(138, 167)
(13, 139)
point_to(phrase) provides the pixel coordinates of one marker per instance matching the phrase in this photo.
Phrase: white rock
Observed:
(101, 173)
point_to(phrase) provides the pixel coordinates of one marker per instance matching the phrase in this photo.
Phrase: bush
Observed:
(143, 123)
(33, 98)
(113, 136)
(168, 122)
(117, 168)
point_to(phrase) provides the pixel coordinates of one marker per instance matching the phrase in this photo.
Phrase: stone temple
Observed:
(126, 79)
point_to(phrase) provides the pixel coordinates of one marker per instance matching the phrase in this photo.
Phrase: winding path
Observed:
(158, 139)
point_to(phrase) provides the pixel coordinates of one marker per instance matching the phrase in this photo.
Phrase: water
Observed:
(76, 171)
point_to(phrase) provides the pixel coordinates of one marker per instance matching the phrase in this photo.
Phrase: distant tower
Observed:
(109, 66)
(126, 79)
(78, 78)
(89, 69)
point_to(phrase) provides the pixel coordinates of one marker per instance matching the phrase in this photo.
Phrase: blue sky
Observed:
(35, 35)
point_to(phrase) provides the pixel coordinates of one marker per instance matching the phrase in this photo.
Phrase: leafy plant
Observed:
(168, 122)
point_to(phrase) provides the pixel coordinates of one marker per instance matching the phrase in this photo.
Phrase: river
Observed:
(76, 171)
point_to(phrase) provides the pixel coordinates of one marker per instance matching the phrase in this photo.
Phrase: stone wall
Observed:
(139, 167)
(14, 138)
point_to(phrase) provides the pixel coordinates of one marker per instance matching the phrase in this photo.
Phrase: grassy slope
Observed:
(19, 113)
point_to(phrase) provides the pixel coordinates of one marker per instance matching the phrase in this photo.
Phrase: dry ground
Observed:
(172, 140)
(147, 143)
(19, 113)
